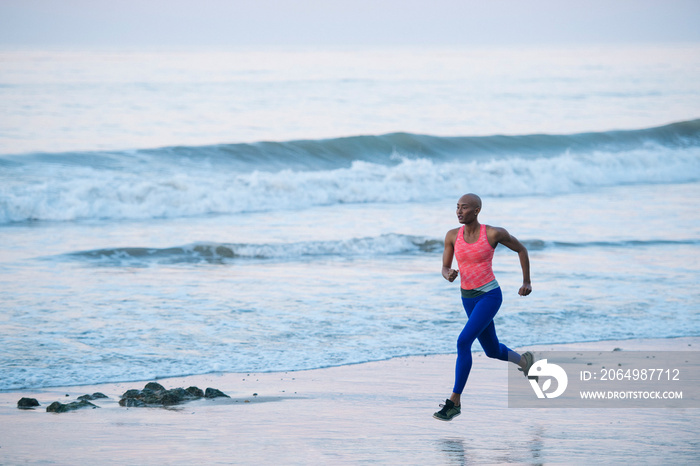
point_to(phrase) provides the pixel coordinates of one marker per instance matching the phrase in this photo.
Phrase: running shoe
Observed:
(529, 361)
(448, 412)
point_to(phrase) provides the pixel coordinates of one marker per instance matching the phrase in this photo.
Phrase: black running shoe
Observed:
(448, 412)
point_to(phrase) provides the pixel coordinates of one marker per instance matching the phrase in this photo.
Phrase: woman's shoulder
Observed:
(493, 229)
(495, 234)
(452, 234)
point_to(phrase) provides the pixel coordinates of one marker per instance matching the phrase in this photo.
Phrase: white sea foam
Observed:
(66, 193)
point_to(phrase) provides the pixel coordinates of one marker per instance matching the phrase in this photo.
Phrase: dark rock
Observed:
(149, 396)
(54, 407)
(57, 407)
(156, 387)
(94, 396)
(131, 393)
(214, 393)
(132, 403)
(175, 396)
(27, 403)
(169, 399)
(196, 392)
(154, 394)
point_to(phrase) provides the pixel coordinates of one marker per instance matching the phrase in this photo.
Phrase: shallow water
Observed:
(121, 261)
(137, 317)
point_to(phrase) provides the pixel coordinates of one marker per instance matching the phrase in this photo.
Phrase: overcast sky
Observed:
(345, 22)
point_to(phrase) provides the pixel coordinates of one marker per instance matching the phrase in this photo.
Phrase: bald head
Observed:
(471, 199)
(468, 208)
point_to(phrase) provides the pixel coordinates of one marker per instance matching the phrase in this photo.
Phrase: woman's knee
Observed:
(497, 352)
(464, 344)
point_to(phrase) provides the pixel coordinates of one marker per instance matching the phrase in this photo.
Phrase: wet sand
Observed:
(378, 412)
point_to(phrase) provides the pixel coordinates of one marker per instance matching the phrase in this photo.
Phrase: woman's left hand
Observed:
(525, 290)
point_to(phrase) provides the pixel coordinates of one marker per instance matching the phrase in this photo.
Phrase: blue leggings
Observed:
(481, 311)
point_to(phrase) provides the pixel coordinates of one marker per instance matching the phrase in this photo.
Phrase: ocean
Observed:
(178, 212)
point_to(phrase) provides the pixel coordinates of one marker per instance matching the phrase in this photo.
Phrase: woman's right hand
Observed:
(449, 274)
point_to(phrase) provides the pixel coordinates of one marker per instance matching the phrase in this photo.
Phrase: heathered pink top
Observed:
(474, 260)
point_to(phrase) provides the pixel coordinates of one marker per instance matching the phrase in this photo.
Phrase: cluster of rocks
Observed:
(94, 396)
(153, 394)
(58, 407)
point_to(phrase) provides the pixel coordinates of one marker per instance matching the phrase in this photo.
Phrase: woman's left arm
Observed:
(500, 235)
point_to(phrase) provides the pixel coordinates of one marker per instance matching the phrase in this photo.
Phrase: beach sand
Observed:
(377, 412)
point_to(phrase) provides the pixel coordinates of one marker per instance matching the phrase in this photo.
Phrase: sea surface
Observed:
(176, 212)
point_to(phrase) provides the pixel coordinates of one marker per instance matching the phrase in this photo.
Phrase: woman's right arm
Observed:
(447, 271)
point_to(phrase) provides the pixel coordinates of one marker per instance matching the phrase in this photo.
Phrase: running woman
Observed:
(473, 245)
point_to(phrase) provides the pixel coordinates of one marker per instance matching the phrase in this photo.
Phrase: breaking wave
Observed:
(228, 179)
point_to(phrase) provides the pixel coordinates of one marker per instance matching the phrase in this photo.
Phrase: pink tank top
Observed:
(474, 260)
